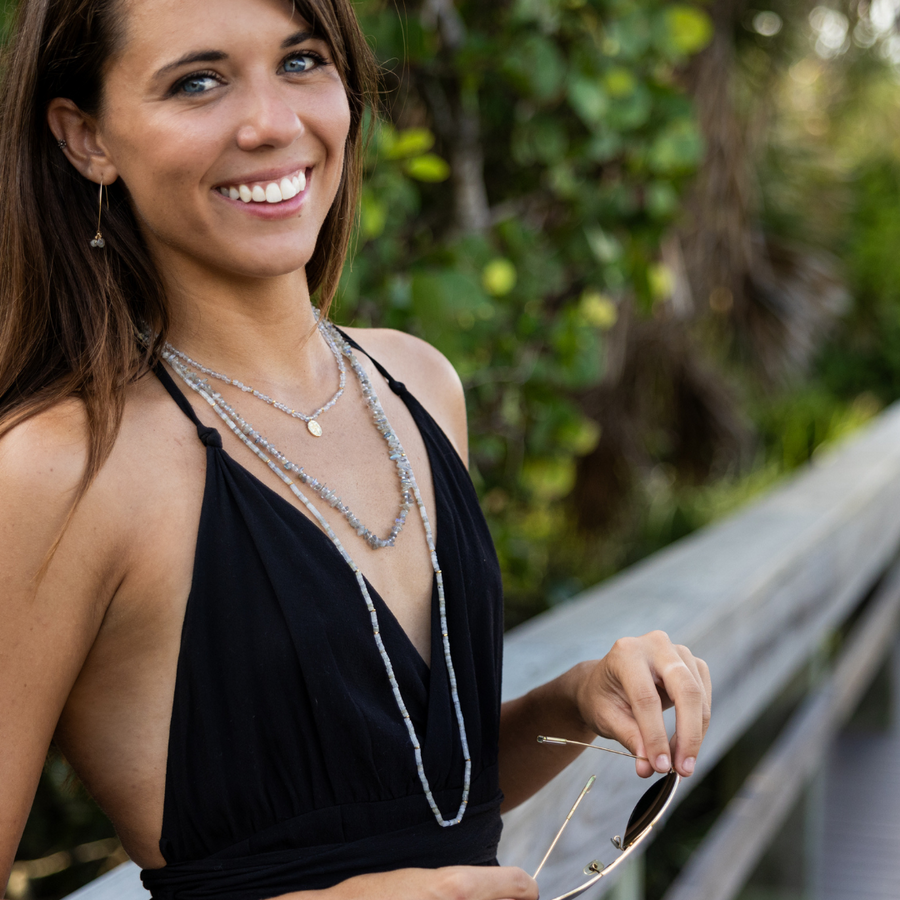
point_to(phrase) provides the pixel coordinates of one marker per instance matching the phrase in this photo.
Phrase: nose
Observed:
(269, 119)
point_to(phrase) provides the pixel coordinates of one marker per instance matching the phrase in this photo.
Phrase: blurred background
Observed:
(659, 242)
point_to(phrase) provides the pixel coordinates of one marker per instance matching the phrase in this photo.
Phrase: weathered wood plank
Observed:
(122, 883)
(719, 868)
(861, 823)
(753, 595)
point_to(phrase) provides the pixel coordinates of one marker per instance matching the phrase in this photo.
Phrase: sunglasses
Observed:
(648, 811)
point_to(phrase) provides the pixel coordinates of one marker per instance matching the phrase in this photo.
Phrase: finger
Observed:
(485, 883)
(646, 707)
(700, 671)
(685, 688)
(707, 685)
(642, 764)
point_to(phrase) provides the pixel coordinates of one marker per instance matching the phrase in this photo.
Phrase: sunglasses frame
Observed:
(627, 849)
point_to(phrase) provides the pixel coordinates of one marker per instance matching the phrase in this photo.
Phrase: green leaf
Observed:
(537, 67)
(662, 200)
(539, 141)
(604, 246)
(588, 99)
(598, 310)
(499, 277)
(604, 146)
(410, 142)
(428, 167)
(660, 281)
(677, 149)
(372, 215)
(619, 82)
(631, 35)
(688, 29)
(444, 293)
(631, 112)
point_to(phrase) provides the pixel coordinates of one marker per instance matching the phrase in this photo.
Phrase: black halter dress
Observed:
(289, 765)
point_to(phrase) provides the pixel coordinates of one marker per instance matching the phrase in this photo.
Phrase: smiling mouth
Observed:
(267, 192)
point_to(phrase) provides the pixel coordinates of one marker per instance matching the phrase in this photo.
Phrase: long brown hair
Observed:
(69, 315)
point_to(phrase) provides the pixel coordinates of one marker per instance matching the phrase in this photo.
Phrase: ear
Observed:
(84, 146)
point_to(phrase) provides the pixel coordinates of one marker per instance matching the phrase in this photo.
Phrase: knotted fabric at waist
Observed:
(249, 872)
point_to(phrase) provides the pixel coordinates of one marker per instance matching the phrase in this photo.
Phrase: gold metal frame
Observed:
(626, 851)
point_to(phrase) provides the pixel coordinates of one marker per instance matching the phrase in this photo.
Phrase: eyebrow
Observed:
(208, 56)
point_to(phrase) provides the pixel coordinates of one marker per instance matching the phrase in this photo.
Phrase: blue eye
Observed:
(302, 62)
(195, 84)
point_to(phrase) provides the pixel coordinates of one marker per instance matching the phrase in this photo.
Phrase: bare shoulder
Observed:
(42, 461)
(42, 465)
(427, 373)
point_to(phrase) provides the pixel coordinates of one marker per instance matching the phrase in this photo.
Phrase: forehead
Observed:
(157, 31)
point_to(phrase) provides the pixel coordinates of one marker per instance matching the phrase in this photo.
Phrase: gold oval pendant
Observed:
(315, 429)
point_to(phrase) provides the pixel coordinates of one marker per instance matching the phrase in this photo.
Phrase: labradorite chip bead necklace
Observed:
(280, 465)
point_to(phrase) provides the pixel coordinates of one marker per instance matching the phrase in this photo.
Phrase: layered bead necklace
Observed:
(409, 491)
(314, 428)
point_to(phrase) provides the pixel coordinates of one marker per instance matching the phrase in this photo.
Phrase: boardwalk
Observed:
(860, 857)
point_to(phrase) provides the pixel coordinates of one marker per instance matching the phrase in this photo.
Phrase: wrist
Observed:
(572, 698)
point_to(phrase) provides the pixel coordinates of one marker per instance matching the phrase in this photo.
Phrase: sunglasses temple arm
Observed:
(543, 739)
(584, 791)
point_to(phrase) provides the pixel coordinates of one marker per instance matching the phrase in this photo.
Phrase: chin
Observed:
(268, 259)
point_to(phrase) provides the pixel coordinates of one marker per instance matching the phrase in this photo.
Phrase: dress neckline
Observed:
(212, 439)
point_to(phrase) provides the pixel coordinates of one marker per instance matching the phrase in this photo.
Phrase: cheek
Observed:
(164, 173)
(161, 161)
(332, 124)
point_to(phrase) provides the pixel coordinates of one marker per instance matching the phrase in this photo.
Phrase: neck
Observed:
(259, 330)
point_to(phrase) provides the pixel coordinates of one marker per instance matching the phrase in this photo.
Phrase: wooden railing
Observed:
(757, 596)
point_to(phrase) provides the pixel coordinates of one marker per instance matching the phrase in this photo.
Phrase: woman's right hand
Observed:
(448, 883)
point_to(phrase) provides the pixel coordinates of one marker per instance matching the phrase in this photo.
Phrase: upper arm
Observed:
(429, 375)
(48, 624)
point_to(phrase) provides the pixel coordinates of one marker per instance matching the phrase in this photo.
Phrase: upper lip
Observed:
(267, 175)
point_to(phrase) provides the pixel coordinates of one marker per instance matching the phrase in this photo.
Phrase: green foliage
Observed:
(865, 356)
(588, 142)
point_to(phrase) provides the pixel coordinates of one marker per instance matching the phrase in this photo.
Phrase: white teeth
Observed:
(274, 192)
(287, 189)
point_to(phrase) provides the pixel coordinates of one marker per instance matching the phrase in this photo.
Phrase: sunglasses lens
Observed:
(649, 807)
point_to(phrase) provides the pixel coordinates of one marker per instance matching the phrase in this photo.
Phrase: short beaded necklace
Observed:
(254, 441)
(314, 428)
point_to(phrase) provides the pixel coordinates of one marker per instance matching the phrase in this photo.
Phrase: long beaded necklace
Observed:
(254, 441)
(314, 428)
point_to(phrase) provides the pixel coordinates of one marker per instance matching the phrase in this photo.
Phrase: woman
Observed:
(268, 695)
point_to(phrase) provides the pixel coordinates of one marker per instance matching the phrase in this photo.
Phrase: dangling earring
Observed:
(98, 242)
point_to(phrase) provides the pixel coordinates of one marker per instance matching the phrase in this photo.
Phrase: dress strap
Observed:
(207, 435)
(396, 386)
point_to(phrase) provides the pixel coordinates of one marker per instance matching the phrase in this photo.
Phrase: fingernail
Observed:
(688, 764)
(662, 763)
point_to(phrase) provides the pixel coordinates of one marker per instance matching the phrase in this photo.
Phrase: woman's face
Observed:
(227, 122)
